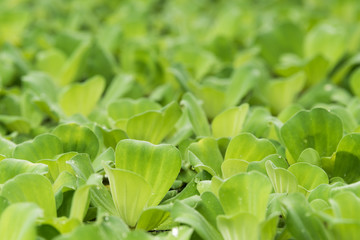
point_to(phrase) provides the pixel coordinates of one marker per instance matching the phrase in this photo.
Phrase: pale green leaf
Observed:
(18, 221)
(308, 176)
(10, 168)
(82, 97)
(282, 180)
(302, 223)
(131, 193)
(246, 193)
(77, 138)
(70, 69)
(207, 151)
(154, 126)
(187, 215)
(44, 146)
(159, 165)
(231, 167)
(247, 147)
(239, 226)
(196, 115)
(127, 108)
(29, 187)
(317, 129)
(230, 122)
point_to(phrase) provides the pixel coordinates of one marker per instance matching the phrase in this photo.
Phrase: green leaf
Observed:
(99, 61)
(230, 122)
(6, 147)
(324, 92)
(112, 137)
(319, 205)
(138, 235)
(246, 193)
(190, 188)
(127, 108)
(323, 191)
(90, 232)
(209, 207)
(114, 228)
(31, 187)
(196, 115)
(77, 138)
(18, 221)
(159, 165)
(63, 224)
(280, 93)
(316, 69)
(216, 183)
(198, 165)
(131, 193)
(182, 131)
(41, 85)
(242, 81)
(80, 201)
(47, 231)
(59, 165)
(269, 228)
(355, 82)
(50, 61)
(81, 164)
(16, 123)
(317, 129)
(29, 110)
(151, 218)
(72, 66)
(106, 155)
(119, 86)
(100, 197)
(231, 167)
(239, 226)
(207, 151)
(204, 186)
(308, 176)
(345, 205)
(276, 159)
(258, 122)
(348, 120)
(10, 104)
(82, 97)
(4, 203)
(310, 155)
(347, 158)
(198, 61)
(187, 215)
(44, 146)
(345, 230)
(10, 168)
(300, 219)
(64, 182)
(247, 147)
(180, 233)
(211, 96)
(289, 111)
(49, 109)
(154, 126)
(327, 40)
(284, 37)
(282, 180)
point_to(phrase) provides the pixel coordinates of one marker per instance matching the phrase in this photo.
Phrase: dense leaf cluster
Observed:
(181, 119)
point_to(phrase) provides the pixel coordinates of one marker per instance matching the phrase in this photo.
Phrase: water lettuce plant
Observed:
(224, 120)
